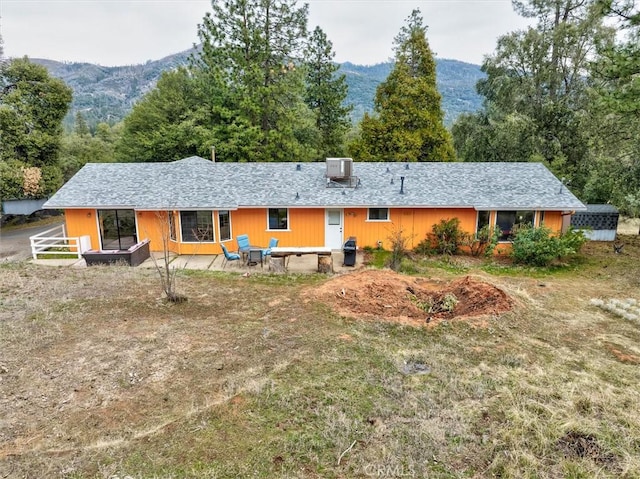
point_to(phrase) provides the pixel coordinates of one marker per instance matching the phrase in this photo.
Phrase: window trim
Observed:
(509, 239)
(288, 226)
(478, 212)
(213, 226)
(173, 230)
(222, 240)
(376, 220)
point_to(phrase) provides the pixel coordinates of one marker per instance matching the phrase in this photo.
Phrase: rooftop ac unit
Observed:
(339, 167)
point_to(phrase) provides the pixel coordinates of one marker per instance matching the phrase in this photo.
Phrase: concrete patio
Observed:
(295, 264)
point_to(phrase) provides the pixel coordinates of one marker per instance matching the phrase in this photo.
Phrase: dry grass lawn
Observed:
(253, 377)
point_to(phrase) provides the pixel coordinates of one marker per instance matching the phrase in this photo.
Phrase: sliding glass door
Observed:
(117, 229)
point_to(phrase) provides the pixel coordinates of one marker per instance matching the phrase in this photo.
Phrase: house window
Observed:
(278, 218)
(483, 220)
(378, 214)
(117, 229)
(506, 220)
(224, 225)
(172, 225)
(196, 226)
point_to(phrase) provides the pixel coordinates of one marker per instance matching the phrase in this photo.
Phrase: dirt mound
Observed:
(390, 296)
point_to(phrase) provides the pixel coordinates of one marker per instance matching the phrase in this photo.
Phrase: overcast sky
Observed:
(124, 32)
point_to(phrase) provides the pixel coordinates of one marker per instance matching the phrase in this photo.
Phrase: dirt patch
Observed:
(386, 295)
(578, 445)
(622, 355)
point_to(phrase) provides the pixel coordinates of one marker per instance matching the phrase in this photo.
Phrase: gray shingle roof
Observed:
(602, 209)
(196, 183)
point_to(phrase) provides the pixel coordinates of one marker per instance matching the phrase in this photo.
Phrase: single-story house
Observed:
(197, 204)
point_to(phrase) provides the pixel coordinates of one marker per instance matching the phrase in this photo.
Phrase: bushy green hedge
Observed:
(538, 247)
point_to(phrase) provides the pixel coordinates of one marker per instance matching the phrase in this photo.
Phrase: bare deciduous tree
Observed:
(166, 271)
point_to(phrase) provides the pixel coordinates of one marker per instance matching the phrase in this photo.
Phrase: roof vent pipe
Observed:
(563, 183)
(406, 166)
(298, 167)
(402, 184)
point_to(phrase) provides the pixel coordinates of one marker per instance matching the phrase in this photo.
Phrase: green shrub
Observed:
(425, 247)
(447, 236)
(538, 247)
(573, 241)
(485, 241)
(398, 248)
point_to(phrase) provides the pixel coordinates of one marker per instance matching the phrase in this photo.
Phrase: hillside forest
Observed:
(260, 86)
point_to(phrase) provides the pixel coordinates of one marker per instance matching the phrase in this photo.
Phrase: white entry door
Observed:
(333, 229)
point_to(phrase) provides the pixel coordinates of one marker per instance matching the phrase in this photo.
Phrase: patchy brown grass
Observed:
(259, 376)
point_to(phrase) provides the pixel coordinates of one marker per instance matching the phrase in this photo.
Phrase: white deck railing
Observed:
(54, 241)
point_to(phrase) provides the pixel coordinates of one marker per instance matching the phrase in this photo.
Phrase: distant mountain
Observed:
(107, 94)
(456, 82)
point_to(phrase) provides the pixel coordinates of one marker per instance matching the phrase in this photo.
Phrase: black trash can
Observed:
(349, 251)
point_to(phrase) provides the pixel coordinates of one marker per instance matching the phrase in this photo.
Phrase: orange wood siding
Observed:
(306, 227)
(553, 220)
(415, 224)
(83, 222)
(152, 225)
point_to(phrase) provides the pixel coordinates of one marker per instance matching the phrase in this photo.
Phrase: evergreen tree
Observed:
(536, 91)
(80, 147)
(325, 95)
(614, 172)
(81, 128)
(250, 52)
(165, 125)
(407, 121)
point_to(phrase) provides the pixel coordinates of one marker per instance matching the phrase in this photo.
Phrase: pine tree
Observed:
(250, 52)
(325, 95)
(407, 121)
(536, 91)
(80, 127)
